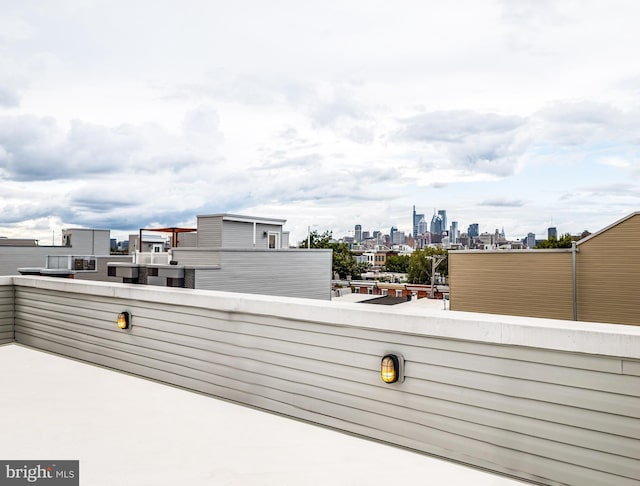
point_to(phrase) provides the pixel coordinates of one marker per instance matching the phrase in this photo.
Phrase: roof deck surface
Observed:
(127, 430)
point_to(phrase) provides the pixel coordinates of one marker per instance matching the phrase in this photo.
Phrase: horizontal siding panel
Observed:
(236, 234)
(196, 256)
(527, 283)
(6, 337)
(613, 253)
(6, 314)
(209, 231)
(482, 364)
(210, 318)
(496, 384)
(204, 316)
(631, 367)
(300, 273)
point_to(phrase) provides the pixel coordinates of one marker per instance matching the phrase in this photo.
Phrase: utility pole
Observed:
(435, 261)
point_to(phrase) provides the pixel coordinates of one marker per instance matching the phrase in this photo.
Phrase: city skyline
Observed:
(121, 116)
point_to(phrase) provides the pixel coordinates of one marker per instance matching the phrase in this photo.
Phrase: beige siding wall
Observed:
(539, 283)
(609, 275)
(6, 310)
(543, 413)
(528, 283)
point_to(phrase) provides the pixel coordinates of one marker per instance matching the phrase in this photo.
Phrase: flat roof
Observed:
(244, 218)
(128, 430)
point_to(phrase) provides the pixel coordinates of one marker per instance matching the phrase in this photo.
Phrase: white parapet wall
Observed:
(554, 402)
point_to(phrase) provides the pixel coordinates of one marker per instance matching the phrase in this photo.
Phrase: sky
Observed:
(512, 114)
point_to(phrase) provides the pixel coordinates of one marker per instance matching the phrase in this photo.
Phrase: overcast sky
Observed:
(127, 114)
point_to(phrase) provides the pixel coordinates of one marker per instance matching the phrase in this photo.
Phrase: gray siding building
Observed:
(21, 253)
(236, 253)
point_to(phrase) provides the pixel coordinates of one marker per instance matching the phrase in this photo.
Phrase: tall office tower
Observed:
(443, 216)
(437, 227)
(453, 232)
(531, 240)
(378, 237)
(358, 233)
(423, 226)
(474, 230)
(552, 232)
(392, 231)
(366, 235)
(416, 222)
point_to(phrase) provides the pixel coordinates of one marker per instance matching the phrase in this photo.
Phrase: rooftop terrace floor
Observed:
(130, 431)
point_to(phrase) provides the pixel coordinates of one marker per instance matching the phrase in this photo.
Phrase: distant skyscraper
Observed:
(531, 240)
(474, 230)
(416, 222)
(392, 231)
(552, 232)
(358, 233)
(437, 226)
(443, 216)
(453, 232)
(423, 226)
(398, 238)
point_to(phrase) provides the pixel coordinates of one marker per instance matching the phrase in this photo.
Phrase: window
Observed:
(398, 293)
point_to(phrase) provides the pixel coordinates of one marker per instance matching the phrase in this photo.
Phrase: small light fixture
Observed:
(124, 319)
(392, 368)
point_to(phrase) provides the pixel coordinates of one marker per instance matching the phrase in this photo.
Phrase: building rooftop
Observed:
(131, 431)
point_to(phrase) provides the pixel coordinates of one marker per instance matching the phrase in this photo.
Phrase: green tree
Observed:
(317, 240)
(553, 242)
(420, 264)
(343, 262)
(398, 263)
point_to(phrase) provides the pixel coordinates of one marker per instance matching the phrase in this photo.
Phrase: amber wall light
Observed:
(124, 320)
(392, 368)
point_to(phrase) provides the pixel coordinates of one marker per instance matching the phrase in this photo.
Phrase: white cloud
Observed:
(327, 112)
(617, 162)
